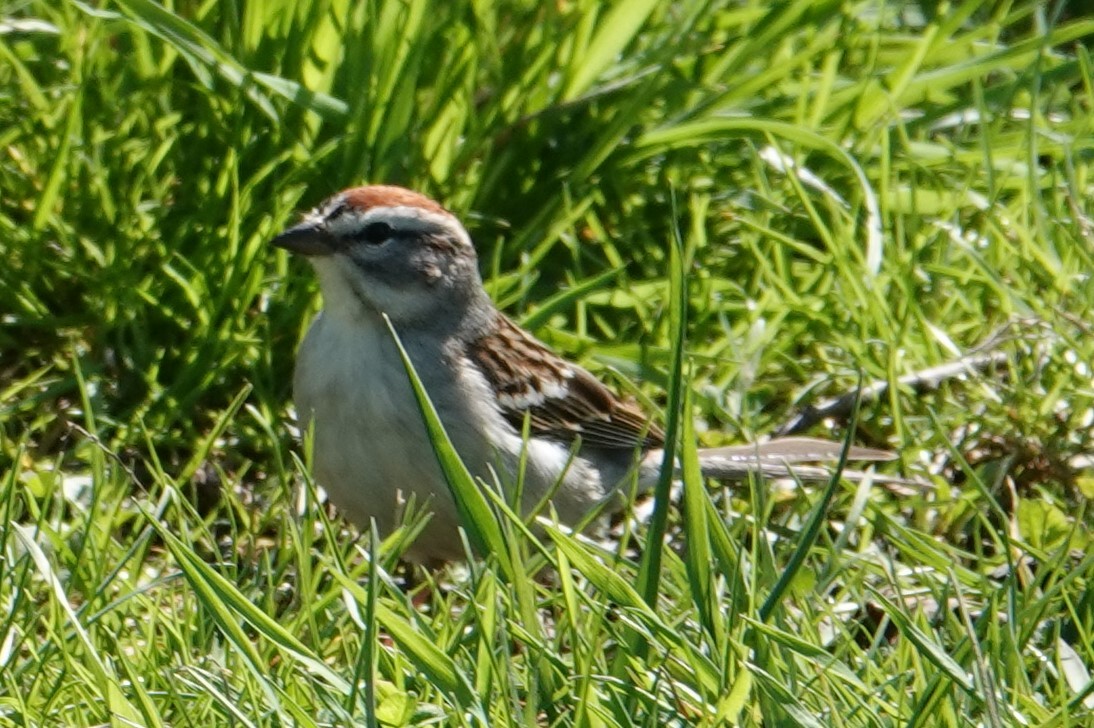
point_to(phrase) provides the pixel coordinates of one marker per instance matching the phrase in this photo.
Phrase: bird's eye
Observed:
(375, 233)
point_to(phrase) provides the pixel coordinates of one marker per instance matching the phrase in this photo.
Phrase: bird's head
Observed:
(382, 249)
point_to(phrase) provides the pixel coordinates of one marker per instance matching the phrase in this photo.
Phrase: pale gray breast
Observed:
(370, 442)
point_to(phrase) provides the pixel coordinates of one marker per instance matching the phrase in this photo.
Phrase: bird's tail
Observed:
(784, 458)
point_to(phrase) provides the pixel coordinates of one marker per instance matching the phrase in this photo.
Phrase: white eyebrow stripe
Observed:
(404, 218)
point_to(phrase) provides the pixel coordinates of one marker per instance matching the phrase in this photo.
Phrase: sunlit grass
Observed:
(811, 194)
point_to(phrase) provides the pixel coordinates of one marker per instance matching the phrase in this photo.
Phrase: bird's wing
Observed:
(561, 400)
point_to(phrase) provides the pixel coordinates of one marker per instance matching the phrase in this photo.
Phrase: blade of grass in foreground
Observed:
(440, 669)
(697, 556)
(645, 624)
(228, 605)
(480, 521)
(107, 682)
(475, 514)
(926, 646)
(368, 661)
(811, 532)
(650, 570)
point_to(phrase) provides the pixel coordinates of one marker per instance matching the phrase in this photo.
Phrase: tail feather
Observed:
(737, 470)
(782, 458)
(794, 450)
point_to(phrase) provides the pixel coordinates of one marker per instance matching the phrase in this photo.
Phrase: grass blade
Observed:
(478, 519)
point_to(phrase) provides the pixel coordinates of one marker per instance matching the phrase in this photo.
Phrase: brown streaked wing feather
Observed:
(561, 400)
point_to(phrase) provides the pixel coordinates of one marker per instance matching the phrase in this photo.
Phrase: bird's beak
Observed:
(307, 238)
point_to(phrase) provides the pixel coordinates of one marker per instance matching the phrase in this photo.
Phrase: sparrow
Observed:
(385, 253)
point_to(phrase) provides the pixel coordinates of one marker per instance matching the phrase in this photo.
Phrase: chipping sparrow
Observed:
(387, 250)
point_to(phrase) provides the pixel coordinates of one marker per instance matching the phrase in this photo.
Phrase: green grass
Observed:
(807, 192)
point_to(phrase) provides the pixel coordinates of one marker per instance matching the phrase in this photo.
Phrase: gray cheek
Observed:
(369, 266)
(397, 268)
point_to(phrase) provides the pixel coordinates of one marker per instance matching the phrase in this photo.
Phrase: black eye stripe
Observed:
(375, 233)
